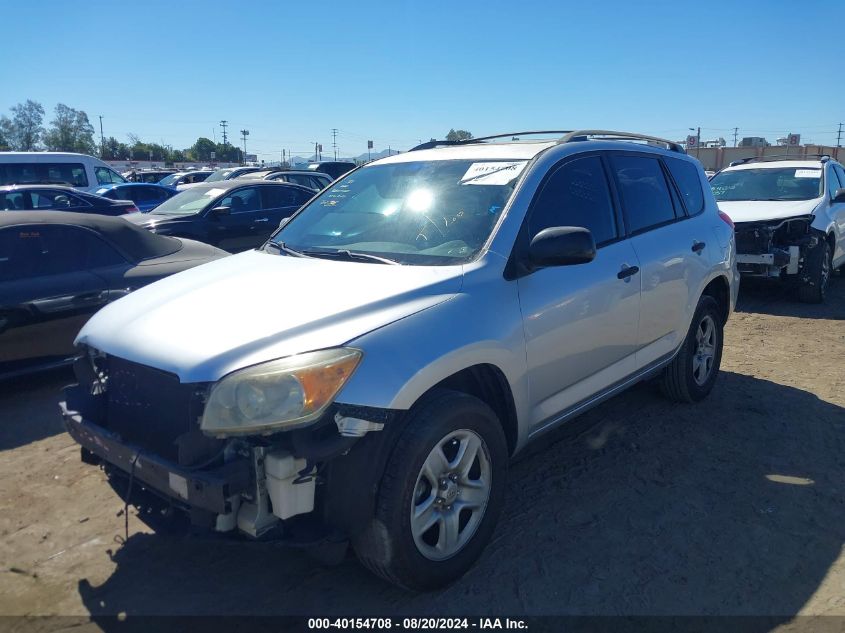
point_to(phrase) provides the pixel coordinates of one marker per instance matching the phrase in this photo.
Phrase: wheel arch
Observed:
(487, 383)
(719, 289)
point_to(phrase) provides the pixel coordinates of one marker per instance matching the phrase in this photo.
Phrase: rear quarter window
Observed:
(687, 178)
(65, 173)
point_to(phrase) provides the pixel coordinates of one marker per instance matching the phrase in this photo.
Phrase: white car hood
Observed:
(208, 321)
(757, 210)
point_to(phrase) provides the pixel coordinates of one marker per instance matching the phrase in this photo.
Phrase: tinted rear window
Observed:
(645, 195)
(56, 173)
(689, 184)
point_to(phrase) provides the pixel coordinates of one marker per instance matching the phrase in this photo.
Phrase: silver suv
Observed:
(367, 374)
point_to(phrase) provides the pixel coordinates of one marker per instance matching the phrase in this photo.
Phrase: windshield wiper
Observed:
(351, 256)
(280, 246)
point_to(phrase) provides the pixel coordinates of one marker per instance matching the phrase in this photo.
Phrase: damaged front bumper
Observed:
(212, 490)
(262, 486)
(774, 248)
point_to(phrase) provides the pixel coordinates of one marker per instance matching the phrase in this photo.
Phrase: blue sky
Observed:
(401, 71)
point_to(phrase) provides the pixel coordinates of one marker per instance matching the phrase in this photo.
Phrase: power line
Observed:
(334, 141)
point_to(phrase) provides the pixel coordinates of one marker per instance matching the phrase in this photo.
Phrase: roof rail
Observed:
(776, 157)
(609, 135)
(467, 141)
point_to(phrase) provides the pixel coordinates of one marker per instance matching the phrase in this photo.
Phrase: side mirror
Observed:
(839, 196)
(216, 212)
(284, 221)
(562, 246)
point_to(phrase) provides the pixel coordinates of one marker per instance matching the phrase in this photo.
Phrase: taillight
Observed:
(133, 209)
(726, 219)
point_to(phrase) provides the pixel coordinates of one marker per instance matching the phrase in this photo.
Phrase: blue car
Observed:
(146, 196)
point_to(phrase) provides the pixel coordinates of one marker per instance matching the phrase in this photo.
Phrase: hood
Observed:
(761, 210)
(208, 321)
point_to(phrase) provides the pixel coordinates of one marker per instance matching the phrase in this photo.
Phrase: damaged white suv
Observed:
(789, 216)
(368, 373)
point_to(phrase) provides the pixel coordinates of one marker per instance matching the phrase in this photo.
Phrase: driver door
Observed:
(235, 231)
(580, 321)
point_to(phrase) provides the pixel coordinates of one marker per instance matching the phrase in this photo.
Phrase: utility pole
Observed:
(334, 141)
(838, 134)
(736, 133)
(224, 125)
(698, 141)
(316, 155)
(103, 142)
(244, 134)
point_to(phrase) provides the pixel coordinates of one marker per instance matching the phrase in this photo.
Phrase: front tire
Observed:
(819, 263)
(692, 373)
(440, 496)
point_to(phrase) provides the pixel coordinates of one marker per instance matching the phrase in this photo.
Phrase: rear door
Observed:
(671, 248)
(47, 293)
(580, 322)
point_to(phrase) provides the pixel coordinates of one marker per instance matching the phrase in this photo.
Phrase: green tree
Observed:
(115, 150)
(228, 153)
(202, 149)
(24, 130)
(70, 131)
(5, 126)
(458, 135)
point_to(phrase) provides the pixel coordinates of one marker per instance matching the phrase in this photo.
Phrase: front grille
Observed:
(153, 410)
(752, 240)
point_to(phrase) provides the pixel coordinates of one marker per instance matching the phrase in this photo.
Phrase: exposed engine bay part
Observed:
(775, 248)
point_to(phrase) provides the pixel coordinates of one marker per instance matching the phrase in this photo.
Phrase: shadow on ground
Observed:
(779, 299)
(29, 407)
(733, 506)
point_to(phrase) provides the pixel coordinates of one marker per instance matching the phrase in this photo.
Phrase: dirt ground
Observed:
(732, 506)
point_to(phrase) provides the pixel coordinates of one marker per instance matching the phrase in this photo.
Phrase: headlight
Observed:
(281, 394)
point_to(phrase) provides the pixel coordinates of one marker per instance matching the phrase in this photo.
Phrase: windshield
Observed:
(188, 202)
(170, 180)
(220, 174)
(436, 212)
(787, 183)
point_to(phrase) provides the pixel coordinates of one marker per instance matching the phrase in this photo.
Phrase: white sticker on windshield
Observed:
(213, 193)
(808, 173)
(498, 173)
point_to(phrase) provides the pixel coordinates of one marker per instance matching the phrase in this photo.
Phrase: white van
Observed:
(77, 170)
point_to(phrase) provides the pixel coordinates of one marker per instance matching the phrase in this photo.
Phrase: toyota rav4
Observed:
(366, 375)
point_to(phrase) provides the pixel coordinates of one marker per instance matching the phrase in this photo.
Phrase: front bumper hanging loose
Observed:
(208, 489)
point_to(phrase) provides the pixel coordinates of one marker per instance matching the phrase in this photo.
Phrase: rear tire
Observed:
(819, 264)
(460, 498)
(691, 374)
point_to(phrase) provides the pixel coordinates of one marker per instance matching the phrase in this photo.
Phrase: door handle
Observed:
(697, 246)
(627, 272)
(262, 220)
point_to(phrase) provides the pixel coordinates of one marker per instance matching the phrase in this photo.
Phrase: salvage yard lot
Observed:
(732, 506)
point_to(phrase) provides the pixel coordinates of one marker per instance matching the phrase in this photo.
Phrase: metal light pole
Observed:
(244, 134)
(103, 142)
